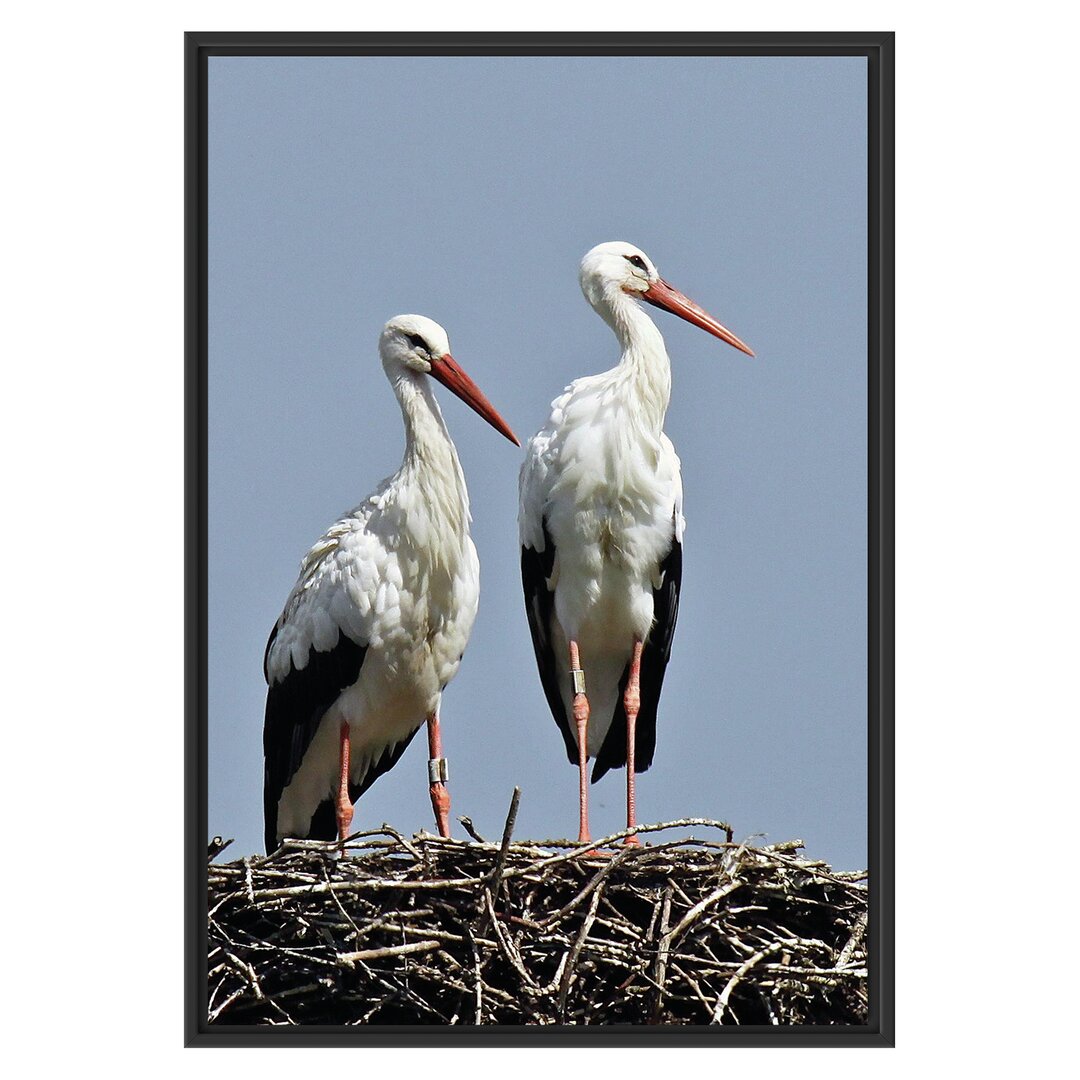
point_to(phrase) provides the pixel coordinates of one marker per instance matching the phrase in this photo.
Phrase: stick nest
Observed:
(424, 930)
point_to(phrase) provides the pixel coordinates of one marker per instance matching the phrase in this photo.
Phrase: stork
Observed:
(601, 525)
(377, 622)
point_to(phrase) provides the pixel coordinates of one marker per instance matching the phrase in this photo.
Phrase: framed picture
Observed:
(372, 207)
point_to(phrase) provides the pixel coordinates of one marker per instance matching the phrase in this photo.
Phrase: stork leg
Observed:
(438, 774)
(344, 803)
(632, 705)
(581, 721)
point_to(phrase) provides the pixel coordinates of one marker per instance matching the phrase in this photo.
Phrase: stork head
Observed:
(413, 343)
(615, 268)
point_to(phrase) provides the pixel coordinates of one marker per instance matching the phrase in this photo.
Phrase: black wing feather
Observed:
(536, 567)
(654, 661)
(294, 707)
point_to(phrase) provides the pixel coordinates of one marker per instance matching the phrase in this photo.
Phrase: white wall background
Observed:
(987, 587)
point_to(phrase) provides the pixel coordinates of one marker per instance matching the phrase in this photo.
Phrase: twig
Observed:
(350, 959)
(216, 847)
(467, 825)
(571, 962)
(722, 1001)
(508, 831)
(662, 952)
(853, 942)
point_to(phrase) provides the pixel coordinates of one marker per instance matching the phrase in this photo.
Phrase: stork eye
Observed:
(638, 261)
(417, 342)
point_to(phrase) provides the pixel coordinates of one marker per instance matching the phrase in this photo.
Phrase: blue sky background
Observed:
(347, 190)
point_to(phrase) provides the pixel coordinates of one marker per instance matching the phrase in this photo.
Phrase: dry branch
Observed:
(431, 931)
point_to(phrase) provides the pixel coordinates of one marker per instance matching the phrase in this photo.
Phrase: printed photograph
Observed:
(537, 517)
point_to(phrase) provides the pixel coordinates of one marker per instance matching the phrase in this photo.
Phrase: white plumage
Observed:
(376, 625)
(601, 526)
(610, 495)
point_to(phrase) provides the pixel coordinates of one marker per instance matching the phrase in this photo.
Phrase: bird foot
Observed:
(598, 853)
(584, 837)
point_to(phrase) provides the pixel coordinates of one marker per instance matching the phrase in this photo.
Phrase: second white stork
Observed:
(601, 525)
(376, 625)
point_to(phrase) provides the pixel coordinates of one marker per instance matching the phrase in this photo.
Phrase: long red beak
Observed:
(446, 370)
(662, 295)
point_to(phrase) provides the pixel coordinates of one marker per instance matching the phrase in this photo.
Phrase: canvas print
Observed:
(537, 518)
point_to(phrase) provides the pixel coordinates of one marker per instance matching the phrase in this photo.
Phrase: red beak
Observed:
(670, 299)
(446, 370)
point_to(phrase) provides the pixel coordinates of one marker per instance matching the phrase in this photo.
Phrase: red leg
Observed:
(344, 803)
(632, 705)
(581, 721)
(438, 774)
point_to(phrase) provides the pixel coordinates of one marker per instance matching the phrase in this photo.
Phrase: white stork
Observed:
(601, 527)
(376, 625)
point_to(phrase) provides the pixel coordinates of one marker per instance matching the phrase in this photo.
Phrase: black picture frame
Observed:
(878, 48)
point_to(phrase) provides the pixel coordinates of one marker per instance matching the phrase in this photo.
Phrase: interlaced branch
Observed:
(432, 931)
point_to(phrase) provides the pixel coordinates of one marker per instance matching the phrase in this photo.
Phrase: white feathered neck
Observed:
(430, 477)
(642, 378)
